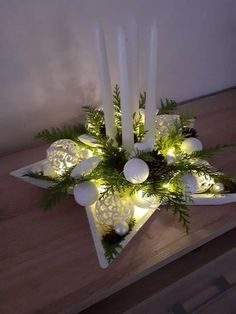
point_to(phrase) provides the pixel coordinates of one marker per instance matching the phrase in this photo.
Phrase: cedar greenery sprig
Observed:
(95, 120)
(111, 241)
(167, 106)
(164, 181)
(66, 132)
(40, 176)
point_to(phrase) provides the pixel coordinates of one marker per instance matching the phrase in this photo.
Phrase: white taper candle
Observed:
(126, 106)
(151, 102)
(105, 83)
(133, 63)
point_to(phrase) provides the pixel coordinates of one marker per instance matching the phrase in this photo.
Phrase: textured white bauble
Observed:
(144, 201)
(85, 166)
(88, 140)
(136, 170)
(190, 182)
(86, 193)
(48, 170)
(114, 208)
(218, 187)
(191, 145)
(164, 122)
(204, 183)
(63, 154)
(121, 228)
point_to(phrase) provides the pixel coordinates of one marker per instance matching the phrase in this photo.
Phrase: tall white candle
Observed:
(133, 63)
(105, 82)
(151, 102)
(125, 95)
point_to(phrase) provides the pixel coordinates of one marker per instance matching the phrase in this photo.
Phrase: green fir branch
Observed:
(66, 132)
(40, 176)
(138, 127)
(171, 139)
(179, 210)
(142, 100)
(95, 120)
(167, 106)
(58, 190)
(112, 242)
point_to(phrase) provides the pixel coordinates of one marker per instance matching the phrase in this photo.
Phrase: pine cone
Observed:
(189, 132)
(112, 237)
(157, 165)
(103, 130)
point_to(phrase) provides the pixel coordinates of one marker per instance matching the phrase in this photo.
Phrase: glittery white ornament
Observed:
(86, 193)
(190, 182)
(121, 228)
(164, 122)
(88, 140)
(136, 170)
(218, 187)
(85, 166)
(63, 154)
(114, 208)
(204, 182)
(144, 201)
(191, 145)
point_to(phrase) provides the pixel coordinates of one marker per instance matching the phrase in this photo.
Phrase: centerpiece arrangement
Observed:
(129, 157)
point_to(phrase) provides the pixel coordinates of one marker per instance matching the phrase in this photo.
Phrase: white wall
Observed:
(47, 58)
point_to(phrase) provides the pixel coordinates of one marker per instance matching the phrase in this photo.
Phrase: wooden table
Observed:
(48, 262)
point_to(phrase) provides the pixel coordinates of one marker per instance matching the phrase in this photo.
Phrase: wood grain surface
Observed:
(48, 262)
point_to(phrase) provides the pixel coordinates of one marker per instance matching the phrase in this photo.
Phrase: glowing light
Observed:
(139, 212)
(99, 151)
(171, 152)
(166, 185)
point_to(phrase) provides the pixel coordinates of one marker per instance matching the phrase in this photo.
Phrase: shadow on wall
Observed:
(42, 81)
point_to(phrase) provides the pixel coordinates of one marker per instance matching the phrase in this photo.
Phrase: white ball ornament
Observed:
(86, 193)
(136, 170)
(88, 140)
(190, 183)
(85, 166)
(63, 154)
(190, 145)
(218, 187)
(112, 209)
(121, 228)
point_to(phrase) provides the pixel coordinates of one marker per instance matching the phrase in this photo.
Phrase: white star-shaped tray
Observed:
(141, 215)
